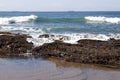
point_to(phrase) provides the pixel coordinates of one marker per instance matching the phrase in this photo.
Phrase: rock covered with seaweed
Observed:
(86, 51)
(13, 44)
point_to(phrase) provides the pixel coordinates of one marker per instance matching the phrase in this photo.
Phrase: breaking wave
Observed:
(103, 19)
(39, 35)
(69, 38)
(17, 19)
(31, 18)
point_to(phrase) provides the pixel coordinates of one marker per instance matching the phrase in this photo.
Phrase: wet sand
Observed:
(53, 69)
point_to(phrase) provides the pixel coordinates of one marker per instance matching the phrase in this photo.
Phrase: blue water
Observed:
(57, 23)
(67, 22)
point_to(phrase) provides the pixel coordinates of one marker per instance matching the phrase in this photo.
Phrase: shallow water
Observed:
(52, 69)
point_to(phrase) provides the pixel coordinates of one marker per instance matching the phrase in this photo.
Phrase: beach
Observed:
(60, 45)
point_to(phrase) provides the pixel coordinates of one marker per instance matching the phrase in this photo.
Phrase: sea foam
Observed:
(70, 38)
(17, 19)
(103, 19)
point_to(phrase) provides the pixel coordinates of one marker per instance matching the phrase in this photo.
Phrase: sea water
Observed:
(71, 27)
(53, 69)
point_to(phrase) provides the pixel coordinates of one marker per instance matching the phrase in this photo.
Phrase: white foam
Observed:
(71, 38)
(28, 30)
(39, 41)
(103, 19)
(67, 38)
(17, 19)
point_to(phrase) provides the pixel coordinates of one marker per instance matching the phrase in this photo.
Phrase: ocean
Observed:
(73, 25)
(66, 26)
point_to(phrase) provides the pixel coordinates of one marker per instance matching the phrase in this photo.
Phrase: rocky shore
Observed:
(106, 53)
(13, 44)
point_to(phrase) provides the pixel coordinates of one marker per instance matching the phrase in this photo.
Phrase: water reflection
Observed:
(52, 69)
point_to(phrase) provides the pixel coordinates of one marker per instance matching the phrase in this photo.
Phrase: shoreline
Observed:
(103, 53)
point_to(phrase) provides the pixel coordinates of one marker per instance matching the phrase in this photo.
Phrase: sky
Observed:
(59, 5)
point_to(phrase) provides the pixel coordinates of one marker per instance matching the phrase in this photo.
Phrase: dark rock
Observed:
(5, 33)
(111, 39)
(86, 51)
(46, 35)
(14, 44)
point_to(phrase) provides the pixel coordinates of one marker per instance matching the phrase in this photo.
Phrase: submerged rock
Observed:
(5, 33)
(86, 51)
(46, 36)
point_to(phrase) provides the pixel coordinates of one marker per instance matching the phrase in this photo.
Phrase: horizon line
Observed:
(67, 11)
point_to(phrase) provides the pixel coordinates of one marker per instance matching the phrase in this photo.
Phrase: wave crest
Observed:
(103, 19)
(18, 19)
(23, 19)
